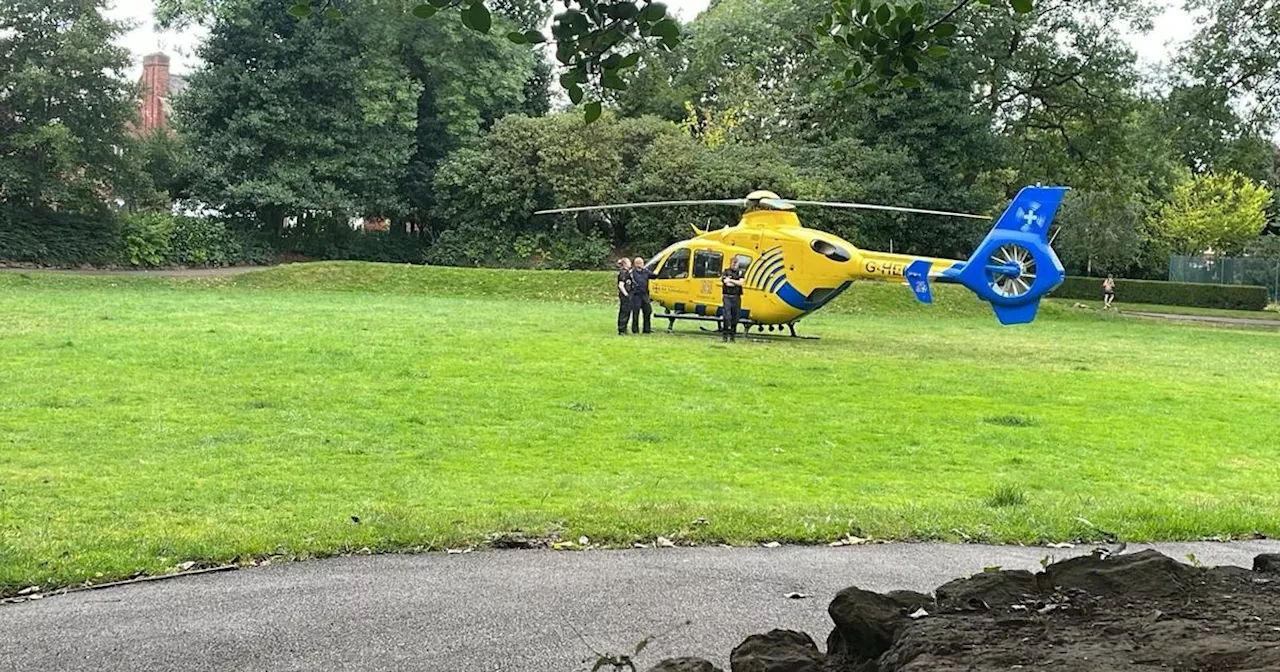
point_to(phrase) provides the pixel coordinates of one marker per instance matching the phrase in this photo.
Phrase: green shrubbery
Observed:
(1234, 297)
(57, 238)
(155, 239)
(329, 237)
(140, 240)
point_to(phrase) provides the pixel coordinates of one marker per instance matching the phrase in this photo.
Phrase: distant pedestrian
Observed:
(625, 284)
(640, 277)
(731, 283)
(1108, 291)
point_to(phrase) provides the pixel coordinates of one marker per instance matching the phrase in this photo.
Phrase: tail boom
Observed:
(1013, 267)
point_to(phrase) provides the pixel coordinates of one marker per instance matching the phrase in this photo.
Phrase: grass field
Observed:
(147, 422)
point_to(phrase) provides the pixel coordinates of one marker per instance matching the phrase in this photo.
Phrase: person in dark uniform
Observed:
(625, 285)
(731, 281)
(640, 277)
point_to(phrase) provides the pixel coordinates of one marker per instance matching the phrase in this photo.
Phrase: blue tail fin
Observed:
(1014, 266)
(917, 275)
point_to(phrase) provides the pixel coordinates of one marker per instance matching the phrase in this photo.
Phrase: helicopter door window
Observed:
(676, 266)
(741, 261)
(706, 264)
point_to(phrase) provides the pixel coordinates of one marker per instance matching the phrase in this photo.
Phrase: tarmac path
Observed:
(489, 610)
(1211, 319)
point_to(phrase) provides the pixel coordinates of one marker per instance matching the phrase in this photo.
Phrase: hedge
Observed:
(332, 238)
(1194, 294)
(57, 238)
(141, 239)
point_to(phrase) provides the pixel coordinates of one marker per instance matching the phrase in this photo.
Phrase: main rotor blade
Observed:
(736, 202)
(865, 206)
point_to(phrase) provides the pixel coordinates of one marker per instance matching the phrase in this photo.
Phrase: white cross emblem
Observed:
(1030, 218)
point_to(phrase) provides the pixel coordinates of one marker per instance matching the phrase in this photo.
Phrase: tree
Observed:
(467, 81)
(1210, 136)
(165, 165)
(1060, 83)
(64, 105)
(1221, 213)
(1099, 232)
(487, 192)
(754, 63)
(657, 86)
(297, 118)
(598, 40)
(1237, 51)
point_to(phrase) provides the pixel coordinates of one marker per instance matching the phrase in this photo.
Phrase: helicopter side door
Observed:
(707, 265)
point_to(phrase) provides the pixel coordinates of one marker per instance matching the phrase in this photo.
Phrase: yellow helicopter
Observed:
(791, 270)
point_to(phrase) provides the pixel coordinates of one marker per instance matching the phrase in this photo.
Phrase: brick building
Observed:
(158, 86)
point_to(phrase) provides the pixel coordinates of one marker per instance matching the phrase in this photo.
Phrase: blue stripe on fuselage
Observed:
(764, 269)
(795, 299)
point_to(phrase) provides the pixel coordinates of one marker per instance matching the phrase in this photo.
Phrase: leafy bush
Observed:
(1234, 297)
(202, 241)
(154, 239)
(57, 238)
(145, 239)
(561, 248)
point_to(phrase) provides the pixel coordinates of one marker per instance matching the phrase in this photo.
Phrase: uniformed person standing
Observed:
(625, 285)
(640, 304)
(731, 283)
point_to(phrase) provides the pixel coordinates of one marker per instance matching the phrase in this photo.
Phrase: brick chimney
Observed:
(155, 88)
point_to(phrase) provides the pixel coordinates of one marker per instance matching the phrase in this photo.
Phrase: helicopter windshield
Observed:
(676, 265)
(656, 262)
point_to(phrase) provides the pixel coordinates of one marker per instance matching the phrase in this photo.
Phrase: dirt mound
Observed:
(1141, 611)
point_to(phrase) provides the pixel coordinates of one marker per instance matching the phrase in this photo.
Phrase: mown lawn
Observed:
(145, 422)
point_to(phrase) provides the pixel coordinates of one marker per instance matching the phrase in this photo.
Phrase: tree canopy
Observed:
(1211, 212)
(64, 104)
(884, 42)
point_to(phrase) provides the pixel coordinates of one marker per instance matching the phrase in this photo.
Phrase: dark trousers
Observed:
(640, 304)
(732, 306)
(624, 313)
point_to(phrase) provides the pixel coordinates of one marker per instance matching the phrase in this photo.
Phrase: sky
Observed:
(1171, 28)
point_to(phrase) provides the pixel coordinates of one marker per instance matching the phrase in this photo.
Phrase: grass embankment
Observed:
(145, 422)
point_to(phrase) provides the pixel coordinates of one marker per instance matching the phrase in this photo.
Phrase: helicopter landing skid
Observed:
(765, 337)
(746, 327)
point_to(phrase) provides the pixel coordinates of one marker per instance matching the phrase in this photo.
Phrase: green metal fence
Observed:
(1228, 271)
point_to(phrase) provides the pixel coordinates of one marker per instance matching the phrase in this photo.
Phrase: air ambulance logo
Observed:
(1030, 220)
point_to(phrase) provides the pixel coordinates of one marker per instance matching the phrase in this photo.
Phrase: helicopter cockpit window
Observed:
(706, 264)
(832, 252)
(676, 266)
